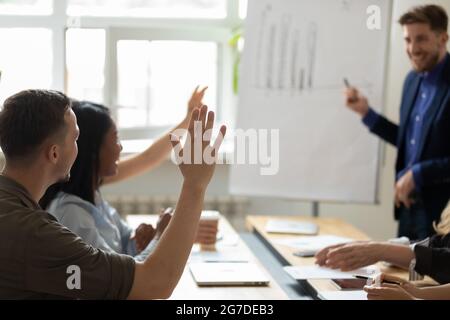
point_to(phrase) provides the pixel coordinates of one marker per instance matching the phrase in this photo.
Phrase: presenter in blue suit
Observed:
(422, 187)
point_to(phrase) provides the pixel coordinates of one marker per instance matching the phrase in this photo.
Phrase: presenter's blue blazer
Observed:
(434, 147)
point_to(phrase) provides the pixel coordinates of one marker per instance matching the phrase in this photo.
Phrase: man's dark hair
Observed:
(28, 118)
(433, 15)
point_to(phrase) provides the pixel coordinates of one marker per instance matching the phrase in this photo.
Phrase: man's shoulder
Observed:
(15, 206)
(20, 224)
(20, 217)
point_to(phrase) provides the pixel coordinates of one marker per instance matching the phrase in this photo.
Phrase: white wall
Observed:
(376, 220)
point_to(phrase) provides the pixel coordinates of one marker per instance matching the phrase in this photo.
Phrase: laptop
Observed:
(228, 274)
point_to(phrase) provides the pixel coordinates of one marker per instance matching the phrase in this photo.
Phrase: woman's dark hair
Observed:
(94, 121)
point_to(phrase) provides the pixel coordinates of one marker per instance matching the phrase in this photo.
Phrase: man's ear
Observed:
(53, 153)
(444, 38)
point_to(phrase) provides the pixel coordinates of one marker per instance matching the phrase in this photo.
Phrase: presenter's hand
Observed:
(403, 189)
(356, 102)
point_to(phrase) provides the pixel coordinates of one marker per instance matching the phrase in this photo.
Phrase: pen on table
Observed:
(348, 86)
(384, 281)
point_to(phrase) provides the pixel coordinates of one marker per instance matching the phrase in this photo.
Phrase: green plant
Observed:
(235, 44)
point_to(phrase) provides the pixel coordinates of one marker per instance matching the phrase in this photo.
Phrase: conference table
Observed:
(229, 242)
(264, 244)
(327, 226)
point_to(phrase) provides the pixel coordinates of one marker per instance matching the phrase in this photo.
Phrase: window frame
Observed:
(217, 35)
(138, 28)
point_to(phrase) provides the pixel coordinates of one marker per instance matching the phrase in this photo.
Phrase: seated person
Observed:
(78, 204)
(430, 257)
(405, 290)
(42, 259)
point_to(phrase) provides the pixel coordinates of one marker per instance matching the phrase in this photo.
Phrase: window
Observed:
(149, 8)
(85, 62)
(141, 58)
(25, 60)
(26, 7)
(243, 4)
(156, 78)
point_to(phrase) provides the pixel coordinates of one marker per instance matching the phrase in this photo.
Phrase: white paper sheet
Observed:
(316, 272)
(291, 227)
(218, 256)
(311, 245)
(343, 295)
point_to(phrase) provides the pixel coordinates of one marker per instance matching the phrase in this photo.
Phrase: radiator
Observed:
(232, 208)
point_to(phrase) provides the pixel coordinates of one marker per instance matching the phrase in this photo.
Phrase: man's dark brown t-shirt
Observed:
(40, 259)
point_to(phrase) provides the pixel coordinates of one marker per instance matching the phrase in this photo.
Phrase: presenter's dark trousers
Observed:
(414, 223)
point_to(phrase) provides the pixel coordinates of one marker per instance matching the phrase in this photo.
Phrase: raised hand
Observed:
(197, 158)
(196, 100)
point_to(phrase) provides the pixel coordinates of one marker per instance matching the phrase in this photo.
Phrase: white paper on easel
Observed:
(291, 88)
